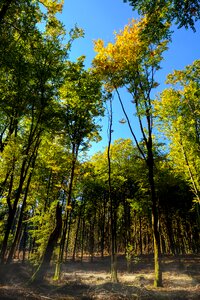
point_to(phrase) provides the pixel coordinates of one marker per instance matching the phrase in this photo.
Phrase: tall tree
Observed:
(82, 102)
(133, 65)
(113, 208)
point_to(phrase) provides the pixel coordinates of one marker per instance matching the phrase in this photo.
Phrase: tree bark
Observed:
(155, 221)
(112, 206)
(39, 275)
(67, 213)
(76, 236)
(82, 238)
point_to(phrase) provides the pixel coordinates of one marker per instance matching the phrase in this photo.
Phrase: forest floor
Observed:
(91, 280)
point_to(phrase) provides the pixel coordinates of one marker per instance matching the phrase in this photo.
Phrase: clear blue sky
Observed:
(99, 19)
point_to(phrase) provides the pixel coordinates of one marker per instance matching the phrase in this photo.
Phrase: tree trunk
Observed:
(39, 275)
(75, 149)
(91, 239)
(68, 235)
(140, 235)
(76, 236)
(112, 206)
(25, 233)
(82, 238)
(6, 235)
(114, 277)
(155, 223)
(170, 235)
(103, 227)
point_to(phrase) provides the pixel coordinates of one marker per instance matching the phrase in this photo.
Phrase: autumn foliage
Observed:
(119, 62)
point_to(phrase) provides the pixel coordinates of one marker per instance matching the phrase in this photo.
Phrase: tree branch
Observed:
(129, 124)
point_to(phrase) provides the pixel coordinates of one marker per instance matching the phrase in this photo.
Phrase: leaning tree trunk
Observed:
(39, 275)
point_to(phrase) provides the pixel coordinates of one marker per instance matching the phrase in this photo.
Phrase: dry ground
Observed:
(91, 280)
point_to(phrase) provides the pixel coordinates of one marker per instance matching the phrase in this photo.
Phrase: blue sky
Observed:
(99, 19)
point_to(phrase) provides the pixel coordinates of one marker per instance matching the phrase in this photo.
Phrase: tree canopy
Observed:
(183, 13)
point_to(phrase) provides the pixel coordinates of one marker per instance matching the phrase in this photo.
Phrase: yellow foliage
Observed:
(125, 55)
(115, 57)
(53, 6)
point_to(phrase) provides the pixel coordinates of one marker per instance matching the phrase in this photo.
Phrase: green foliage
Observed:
(81, 101)
(47, 106)
(129, 252)
(41, 224)
(184, 13)
(178, 113)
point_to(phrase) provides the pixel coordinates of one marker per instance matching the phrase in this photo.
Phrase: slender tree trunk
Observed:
(103, 228)
(112, 206)
(76, 236)
(24, 242)
(140, 235)
(154, 200)
(10, 218)
(113, 244)
(149, 159)
(126, 237)
(170, 235)
(82, 238)
(91, 246)
(6, 235)
(61, 250)
(155, 223)
(68, 235)
(46, 204)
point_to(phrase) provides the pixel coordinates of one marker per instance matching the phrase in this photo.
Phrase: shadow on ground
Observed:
(91, 280)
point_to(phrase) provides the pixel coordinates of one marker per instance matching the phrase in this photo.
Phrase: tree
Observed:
(133, 65)
(82, 102)
(113, 206)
